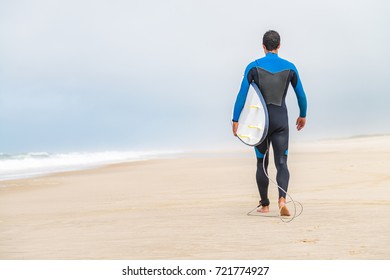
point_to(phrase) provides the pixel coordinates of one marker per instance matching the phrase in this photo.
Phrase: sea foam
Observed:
(27, 165)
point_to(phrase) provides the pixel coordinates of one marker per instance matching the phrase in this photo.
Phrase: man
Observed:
(273, 76)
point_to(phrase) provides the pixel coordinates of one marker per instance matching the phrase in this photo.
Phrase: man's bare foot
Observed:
(263, 209)
(283, 208)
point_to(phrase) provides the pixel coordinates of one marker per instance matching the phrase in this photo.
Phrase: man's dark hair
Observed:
(271, 40)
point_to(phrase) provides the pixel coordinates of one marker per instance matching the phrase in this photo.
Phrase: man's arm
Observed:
(241, 96)
(299, 92)
(301, 98)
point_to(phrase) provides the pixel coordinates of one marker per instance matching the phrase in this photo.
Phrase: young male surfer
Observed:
(273, 76)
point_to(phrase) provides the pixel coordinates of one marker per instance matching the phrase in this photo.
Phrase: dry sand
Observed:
(195, 207)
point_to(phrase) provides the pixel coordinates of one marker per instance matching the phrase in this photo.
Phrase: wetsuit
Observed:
(273, 76)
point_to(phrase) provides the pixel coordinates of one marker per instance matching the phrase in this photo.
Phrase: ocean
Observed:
(27, 165)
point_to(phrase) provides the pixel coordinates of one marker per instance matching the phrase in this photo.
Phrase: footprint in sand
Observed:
(308, 240)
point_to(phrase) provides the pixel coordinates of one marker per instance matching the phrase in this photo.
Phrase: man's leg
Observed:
(280, 146)
(279, 142)
(261, 179)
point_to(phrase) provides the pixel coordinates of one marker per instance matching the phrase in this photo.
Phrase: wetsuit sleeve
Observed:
(241, 96)
(299, 92)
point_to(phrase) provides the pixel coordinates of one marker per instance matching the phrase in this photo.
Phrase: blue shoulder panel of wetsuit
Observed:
(271, 63)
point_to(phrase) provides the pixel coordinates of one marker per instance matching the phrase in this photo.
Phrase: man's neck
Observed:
(271, 52)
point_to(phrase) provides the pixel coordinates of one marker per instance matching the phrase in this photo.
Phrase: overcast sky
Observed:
(144, 74)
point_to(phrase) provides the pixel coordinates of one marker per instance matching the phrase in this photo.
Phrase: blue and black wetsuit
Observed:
(273, 76)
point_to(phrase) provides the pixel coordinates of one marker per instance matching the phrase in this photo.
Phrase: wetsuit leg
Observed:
(279, 140)
(261, 179)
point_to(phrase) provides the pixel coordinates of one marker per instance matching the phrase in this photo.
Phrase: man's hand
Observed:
(300, 123)
(235, 127)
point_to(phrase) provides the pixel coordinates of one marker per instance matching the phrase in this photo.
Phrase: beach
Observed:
(194, 207)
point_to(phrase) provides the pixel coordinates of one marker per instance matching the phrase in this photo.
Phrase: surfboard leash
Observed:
(295, 203)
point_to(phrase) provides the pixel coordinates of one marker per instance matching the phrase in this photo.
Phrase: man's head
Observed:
(271, 41)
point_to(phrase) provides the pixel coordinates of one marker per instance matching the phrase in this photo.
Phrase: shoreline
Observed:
(234, 151)
(195, 208)
(33, 165)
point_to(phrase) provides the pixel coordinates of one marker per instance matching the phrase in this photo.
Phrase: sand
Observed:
(195, 207)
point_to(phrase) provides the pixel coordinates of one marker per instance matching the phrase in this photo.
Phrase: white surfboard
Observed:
(253, 121)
